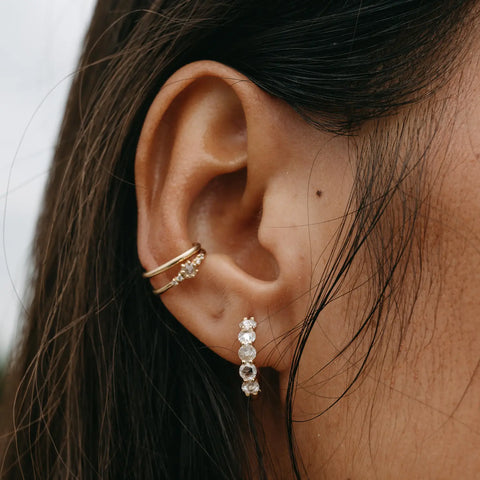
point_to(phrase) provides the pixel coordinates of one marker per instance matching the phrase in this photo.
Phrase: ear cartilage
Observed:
(188, 269)
(247, 353)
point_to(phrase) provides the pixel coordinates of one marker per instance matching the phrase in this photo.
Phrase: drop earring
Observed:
(247, 353)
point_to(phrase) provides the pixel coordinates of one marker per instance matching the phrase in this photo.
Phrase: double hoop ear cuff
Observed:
(247, 353)
(188, 269)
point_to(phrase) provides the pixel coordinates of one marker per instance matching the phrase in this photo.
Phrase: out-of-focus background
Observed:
(40, 42)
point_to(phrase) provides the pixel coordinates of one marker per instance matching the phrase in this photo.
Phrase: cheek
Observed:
(437, 372)
(453, 216)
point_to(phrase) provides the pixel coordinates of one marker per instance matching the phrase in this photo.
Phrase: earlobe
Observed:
(215, 165)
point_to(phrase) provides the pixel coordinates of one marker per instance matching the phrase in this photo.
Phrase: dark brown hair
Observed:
(107, 383)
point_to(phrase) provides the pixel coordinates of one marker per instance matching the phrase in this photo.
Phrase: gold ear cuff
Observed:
(188, 269)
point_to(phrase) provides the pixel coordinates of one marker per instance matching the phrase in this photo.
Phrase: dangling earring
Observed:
(247, 353)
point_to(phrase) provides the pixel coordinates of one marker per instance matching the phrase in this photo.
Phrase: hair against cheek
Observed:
(97, 396)
(382, 236)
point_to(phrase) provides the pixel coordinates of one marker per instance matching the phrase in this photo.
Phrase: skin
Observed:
(221, 162)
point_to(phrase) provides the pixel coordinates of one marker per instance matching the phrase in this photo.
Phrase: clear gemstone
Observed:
(179, 278)
(248, 371)
(250, 388)
(247, 353)
(247, 323)
(189, 270)
(246, 336)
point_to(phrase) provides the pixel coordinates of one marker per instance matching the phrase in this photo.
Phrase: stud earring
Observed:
(247, 353)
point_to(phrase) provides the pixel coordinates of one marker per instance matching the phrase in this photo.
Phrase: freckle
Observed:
(318, 193)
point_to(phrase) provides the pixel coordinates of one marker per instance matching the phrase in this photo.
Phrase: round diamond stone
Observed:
(248, 371)
(250, 388)
(247, 323)
(189, 270)
(247, 353)
(247, 336)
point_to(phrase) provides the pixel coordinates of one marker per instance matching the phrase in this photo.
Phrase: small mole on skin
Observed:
(318, 193)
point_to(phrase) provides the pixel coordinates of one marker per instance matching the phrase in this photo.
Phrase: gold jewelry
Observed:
(189, 269)
(174, 261)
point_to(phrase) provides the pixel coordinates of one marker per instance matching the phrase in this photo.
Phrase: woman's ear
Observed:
(222, 163)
